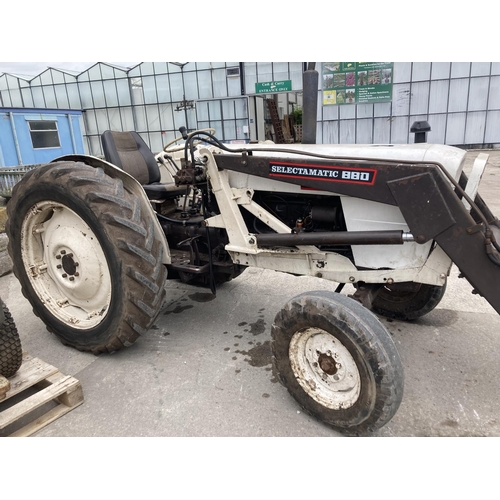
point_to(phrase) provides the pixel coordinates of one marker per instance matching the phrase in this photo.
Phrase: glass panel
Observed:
(3, 82)
(69, 78)
(296, 75)
(439, 97)
(160, 67)
(382, 108)
(5, 98)
(330, 112)
(347, 131)
(110, 93)
(492, 135)
(38, 100)
(440, 70)
(460, 69)
(15, 96)
(42, 140)
(36, 81)
(127, 119)
(62, 97)
(153, 118)
(347, 112)
(495, 68)
(280, 71)
(176, 87)
(330, 133)
(140, 115)
(240, 127)
(233, 86)
(480, 68)
(107, 72)
(219, 81)
(202, 65)
(494, 100)
(228, 109)
(12, 82)
(123, 92)
(205, 84)
(85, 95)
(421, 71)
(74, 97)
(98, 94)
(363, 131)
(399, 130)
(95, 145)
(478, 94)
(57, 76)
(135, 71)
(365, 110)
(202, 111)
(95, 72)
(218, 64)
(102, 120)
(229, 130)
(458, 95)
(264, 72)
(147, 68)
(214, 110)
(438, 129)
(90, 122)
(381, 131)
(191, 86)
(455, 129)
(37, 125)
(28, 98)
(241, 108)
(46, 77)
(420, 98)
(166, 118)
(402, 72)
(474, 128)
(149, 89)
(137, 95)
(400, 99)
(156, 142)
(163, 88)
(115, 122)
(50, 96)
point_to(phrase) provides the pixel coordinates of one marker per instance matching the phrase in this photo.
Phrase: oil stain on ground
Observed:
(201, 297)
(178, 309)
(258, 327)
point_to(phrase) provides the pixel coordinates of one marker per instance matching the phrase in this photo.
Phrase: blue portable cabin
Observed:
(33, 136)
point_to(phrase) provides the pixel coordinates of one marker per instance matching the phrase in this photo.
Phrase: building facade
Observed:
(460, 100)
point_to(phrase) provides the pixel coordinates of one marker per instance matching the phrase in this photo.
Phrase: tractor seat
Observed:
(128, 151)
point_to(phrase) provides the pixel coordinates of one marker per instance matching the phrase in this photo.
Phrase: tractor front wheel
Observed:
(338, 361)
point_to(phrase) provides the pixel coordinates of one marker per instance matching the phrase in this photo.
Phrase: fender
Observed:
(131, 184)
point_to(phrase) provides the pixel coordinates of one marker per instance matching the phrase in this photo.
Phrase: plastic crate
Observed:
(10, 176)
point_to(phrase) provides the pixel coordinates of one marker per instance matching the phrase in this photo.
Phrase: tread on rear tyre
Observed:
(338, 361)
(85, 252)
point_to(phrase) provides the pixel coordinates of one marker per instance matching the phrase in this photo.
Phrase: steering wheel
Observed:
(173, 149)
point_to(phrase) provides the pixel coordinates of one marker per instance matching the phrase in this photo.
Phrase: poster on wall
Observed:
(356, 82)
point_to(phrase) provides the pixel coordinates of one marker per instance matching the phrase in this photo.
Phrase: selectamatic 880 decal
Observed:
(353, 175)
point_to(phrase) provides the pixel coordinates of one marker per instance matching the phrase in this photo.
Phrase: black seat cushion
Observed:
(128, 151)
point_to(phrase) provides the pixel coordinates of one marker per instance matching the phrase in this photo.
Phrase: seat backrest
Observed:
(128, 151)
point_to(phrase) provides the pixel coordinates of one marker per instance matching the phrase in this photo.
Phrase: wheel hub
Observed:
(324, 368)
(66, 264)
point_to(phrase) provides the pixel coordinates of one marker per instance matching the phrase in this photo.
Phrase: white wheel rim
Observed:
(324, 368)
(65, 264)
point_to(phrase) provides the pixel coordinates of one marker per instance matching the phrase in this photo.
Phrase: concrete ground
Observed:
(204, 369)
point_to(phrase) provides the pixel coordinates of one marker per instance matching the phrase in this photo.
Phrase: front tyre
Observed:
(11, 352)
(338, 361)
(85, 252)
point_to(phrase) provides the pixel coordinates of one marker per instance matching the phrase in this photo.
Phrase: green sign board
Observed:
(273, 87)
(357, 82)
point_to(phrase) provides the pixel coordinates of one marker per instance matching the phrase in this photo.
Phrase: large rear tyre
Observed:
(11, 352)
(85, 252)
(407, 301)
(338, 361)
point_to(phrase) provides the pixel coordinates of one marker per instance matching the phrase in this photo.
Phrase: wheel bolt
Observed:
(64, 275)
(63, 252)
(58, 256)
(59, 266)
(77, 274)
(70, 255)
(71, 278)
(77, 264)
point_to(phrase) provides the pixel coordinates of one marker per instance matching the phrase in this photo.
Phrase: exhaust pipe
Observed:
(310, 79)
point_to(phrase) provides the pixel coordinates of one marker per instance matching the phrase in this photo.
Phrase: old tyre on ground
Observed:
(338, 361)
(407, 301)
(85, 251)
(11, 352)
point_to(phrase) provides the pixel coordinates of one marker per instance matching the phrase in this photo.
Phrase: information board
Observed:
(356, 82)
(273, 87)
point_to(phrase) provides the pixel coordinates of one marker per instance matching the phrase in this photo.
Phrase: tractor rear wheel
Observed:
(11, 352)
(85, 252)
(338, 361)
(407, 301)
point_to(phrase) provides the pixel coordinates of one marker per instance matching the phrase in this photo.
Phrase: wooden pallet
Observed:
(51, 385)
